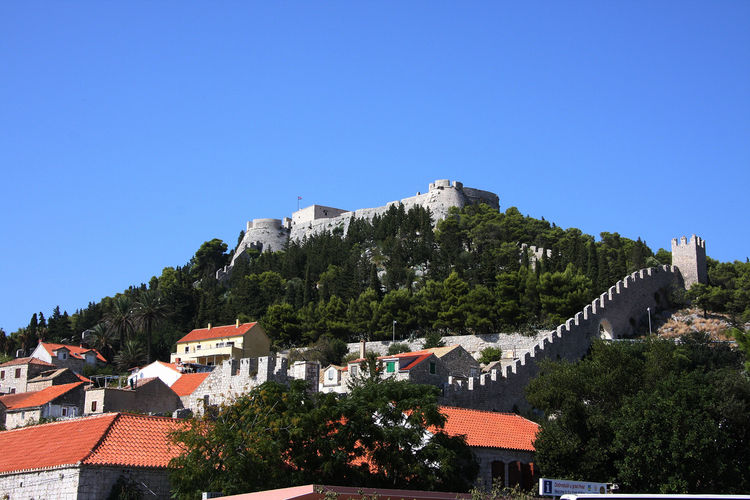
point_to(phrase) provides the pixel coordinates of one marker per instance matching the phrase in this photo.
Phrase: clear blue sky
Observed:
(131, 132)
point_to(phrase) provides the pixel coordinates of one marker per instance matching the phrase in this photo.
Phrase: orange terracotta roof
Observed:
(82, 378)
(118, 439)
(217, 332)
(188, 382)
(75, 351)
(488, 429)
(39, 398)
(58, 443)
(137, 440)
(172, 366)
(23, 361)
(10, 400)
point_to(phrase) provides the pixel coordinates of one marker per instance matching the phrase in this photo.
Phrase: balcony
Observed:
(208, 355)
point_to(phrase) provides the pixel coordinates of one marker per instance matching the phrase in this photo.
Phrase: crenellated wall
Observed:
(617, 313)
(235, 377)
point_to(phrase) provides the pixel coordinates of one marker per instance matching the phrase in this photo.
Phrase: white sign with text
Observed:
(559, 487)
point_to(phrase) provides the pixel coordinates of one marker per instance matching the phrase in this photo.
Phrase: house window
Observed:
(65, 411)
(187, 349)
(2, 375)
(198, 346)
(206, 400)
(18, 373)
(93, 406)
(390, 366)
(12, 390)
(62, 355)
(353, 370)
(230, 344)
(432, 367)
(330, 374)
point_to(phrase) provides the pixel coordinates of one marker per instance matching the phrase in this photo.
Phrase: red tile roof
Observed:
(188, 382)
(118, 439)
(23, 361)
(217, 332)
(75, 351)
(11, 400)
(488, 429)
(137, 440)
(39, 398)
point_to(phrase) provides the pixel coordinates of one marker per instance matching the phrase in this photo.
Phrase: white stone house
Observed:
(68, 356)
(65, 400)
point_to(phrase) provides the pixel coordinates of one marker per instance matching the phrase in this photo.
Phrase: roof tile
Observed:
(23, 361)
(39, 398)
(75, 351)
(217, 332)
(487, 429)
(188, 382)
(118, 439)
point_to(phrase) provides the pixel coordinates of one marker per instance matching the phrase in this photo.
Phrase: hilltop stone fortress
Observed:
(622, 311)
(272, 234)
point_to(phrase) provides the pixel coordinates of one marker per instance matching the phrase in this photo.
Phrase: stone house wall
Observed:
(16, 377)
(485, 457)
(460, 363)
(81, 483)
(152, 397)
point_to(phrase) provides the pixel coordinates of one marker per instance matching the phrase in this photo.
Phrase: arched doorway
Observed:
(605, 330)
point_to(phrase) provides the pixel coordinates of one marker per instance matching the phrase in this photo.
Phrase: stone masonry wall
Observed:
(235, 377)
(59, 483)
(96, 482)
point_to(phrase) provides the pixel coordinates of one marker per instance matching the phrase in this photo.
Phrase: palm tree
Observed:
(119, 319)
(102, 339)
(148, 312)
(130, 355)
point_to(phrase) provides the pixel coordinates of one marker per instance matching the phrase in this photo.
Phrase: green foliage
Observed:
(397, 348)
(490, 354)
(500, 492)
(276, 436)
(433, 339)
(650, 416)
(743, 342)
(125, 489)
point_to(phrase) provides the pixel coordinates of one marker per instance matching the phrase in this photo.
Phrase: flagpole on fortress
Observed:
(298, 198)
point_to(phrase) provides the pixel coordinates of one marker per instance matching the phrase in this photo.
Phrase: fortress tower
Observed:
(690, 258)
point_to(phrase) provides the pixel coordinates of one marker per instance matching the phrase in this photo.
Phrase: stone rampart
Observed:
(617, 313)
(235, 377)
(273, 234)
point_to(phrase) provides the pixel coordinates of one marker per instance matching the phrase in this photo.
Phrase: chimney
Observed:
(209, 326)
(237, 323)
(362, 345)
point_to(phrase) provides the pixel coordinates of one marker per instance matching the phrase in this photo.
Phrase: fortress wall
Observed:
(621, 309)
(272, 234)
(235, 377)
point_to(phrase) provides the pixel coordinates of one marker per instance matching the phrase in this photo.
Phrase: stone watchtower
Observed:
(690, 258)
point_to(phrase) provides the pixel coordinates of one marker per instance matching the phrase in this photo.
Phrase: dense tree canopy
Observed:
(652, 416)
(466, 275)
(277, 436)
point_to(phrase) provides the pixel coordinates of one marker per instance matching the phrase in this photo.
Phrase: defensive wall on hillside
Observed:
(617, 313)
(238, 376)
(273, 234)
